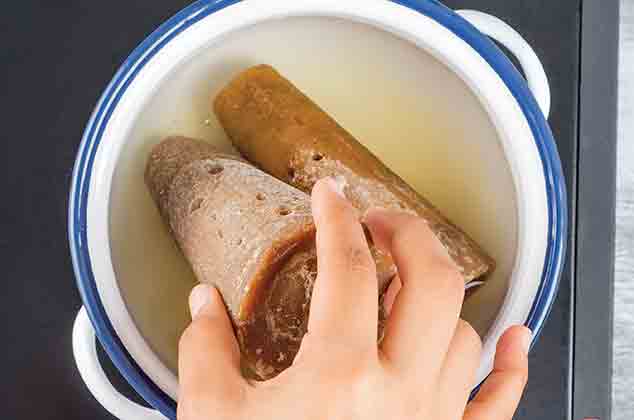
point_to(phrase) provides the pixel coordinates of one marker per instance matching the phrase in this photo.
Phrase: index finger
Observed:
(345, 296)
(427, 308)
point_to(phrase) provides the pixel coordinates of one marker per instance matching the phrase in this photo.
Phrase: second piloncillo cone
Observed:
(279, 129)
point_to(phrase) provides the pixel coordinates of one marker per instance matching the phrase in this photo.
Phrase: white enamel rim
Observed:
(514, 132)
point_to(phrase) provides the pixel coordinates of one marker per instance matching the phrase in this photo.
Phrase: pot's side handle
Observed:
(85, 352)
(507, 36)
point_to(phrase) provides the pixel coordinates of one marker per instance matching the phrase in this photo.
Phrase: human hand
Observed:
(424, 368)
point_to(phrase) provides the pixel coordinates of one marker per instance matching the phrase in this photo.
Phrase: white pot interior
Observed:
(420, 98)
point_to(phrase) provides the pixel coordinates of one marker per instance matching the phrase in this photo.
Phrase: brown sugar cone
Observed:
(250, 235)
(279, 129)
(167, 158)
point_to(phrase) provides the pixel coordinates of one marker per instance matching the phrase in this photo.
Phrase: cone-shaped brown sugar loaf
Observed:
(279, 129)
(248, 234)
(168, 157)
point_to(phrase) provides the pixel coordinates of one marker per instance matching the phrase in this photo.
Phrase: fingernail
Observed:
(526, 340)
(337, 184)
(199, 297)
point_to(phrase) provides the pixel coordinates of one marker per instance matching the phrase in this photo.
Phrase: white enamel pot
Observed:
(515, 108)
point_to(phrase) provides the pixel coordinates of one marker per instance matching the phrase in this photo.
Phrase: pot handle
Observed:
(85, 352)
(507, 36)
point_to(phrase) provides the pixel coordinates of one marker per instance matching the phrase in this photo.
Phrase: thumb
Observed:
(209, 358)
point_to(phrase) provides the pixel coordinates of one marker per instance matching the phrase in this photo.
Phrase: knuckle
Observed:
(413, 231)
(401, 240)
(448, 285)
(363, 375)
(345, 362)
(451, 282)
(359, 260)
